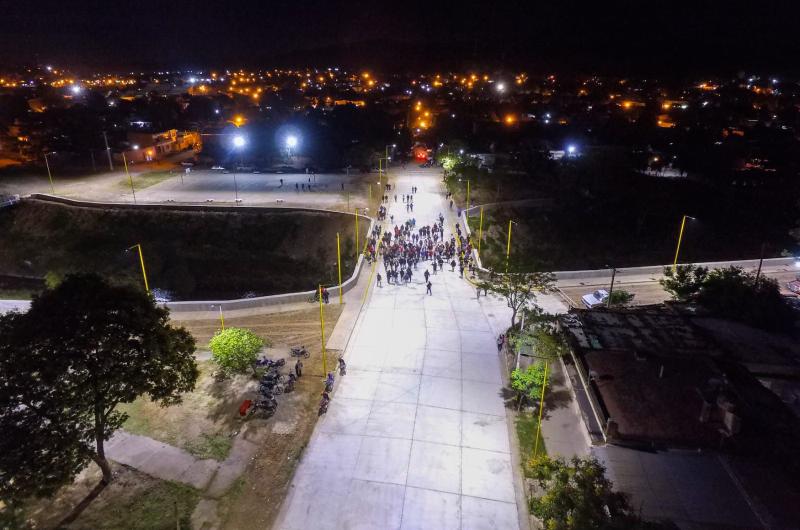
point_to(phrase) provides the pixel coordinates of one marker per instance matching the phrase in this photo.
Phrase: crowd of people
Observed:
(405, 245)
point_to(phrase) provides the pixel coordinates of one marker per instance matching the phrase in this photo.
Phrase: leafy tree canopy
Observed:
(235, 349)
(733, 293)
(527, 383)
(620, 297)
(82, 349)
(684, 281)
(576, 495)
(518, 288)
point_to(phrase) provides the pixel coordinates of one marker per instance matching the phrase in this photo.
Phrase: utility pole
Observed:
(108, 152)
(760, 262)
(611, 289)
(94, 166)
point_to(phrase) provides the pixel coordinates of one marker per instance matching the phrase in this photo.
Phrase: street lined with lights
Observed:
(418, 423)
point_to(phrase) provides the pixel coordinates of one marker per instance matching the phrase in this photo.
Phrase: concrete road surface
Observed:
(416, 436)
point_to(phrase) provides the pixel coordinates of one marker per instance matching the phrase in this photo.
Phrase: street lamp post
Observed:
(238, 143)
(221, 316)
(480, 232)
(130, 178)
(49, 175)
(508, 245)
(141, 262)
(611, 289)
(291, 143)
(680, 239)
(339, 262)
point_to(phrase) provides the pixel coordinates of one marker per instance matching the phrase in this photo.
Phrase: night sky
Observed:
(615, 37)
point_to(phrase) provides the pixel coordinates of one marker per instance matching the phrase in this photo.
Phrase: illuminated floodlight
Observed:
(291, 141)
(239, 141)
(193, 80)
(501, 87)
(135, 146)
(460, 151)
(76, 89)
(571, 149)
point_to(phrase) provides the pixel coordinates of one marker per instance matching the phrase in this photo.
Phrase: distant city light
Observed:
(239, 141)
(193, 80)
(291, 141)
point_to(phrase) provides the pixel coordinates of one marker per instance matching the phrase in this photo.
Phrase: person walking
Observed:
(379, 280)
(342, 367)
(428, 285)
(298, 368)
(426, 274)
(452, 265)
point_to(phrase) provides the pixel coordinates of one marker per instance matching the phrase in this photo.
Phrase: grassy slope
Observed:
(195, 254)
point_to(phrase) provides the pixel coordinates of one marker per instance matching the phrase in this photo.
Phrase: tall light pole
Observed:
(238, 143)
(291, 143)
(480, 232)
(339, 261)
(141, 262)
(508, 245)
(108, 152)
(680, 239)
(49, 175)
(322, 333)
(130, 179)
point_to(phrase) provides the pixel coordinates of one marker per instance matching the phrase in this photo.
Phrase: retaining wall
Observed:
(654, 270)
(227, 305)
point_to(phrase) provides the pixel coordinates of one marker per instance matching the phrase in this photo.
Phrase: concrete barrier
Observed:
(654, 270)
(227, 305)
(181, 206)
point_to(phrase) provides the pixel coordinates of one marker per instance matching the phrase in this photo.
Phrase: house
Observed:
(147, 146)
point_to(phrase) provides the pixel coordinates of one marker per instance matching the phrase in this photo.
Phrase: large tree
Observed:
(518, 288)
(739, 295)
(577, 495)
(684, 281)
(81, 350)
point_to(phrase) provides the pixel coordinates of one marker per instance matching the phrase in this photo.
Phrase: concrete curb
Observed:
(630, 271)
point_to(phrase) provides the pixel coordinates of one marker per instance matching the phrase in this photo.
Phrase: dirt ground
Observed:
(133, 500)
(254, 502)
(202, 424)
(137, 501)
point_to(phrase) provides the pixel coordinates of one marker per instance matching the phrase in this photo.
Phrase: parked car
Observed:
(794, 286)
(595, 299)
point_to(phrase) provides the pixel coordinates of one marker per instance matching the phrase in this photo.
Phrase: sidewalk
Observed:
(563, 429)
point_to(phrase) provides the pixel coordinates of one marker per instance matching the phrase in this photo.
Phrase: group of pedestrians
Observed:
(405, 245)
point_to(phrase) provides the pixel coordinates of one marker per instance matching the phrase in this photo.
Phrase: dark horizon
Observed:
(619, 38)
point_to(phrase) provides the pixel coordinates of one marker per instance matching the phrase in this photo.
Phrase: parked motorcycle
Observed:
(266, 407)
(300, 352)
(269, 363)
